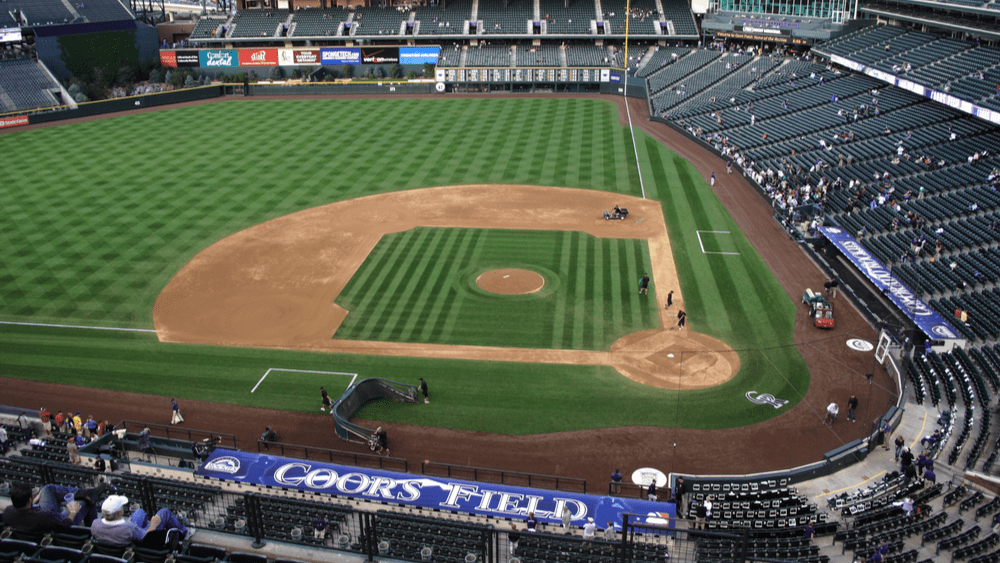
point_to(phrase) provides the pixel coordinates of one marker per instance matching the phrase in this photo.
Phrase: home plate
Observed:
(670, 355)
(507, 276)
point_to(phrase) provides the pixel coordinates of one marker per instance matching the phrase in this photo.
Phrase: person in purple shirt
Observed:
(114, 529)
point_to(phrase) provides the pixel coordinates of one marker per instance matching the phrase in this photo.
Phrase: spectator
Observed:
(3, 440)
(651, 491)
(268, 436)
(679, 496)
(77, 422)
(809, 532)
(567, 519)
(113, 529)
(609, 532)
(320, 525)
(22, 423)
(46, 418)
(531, 522)
(513, 536)
(616, 482)
(45, 513)
(73, 450)
(589, 530)
(58, 422)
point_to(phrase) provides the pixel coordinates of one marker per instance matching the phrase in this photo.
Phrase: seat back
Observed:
(98, 558)
(110, 550)
(202, 550)
(242, 557)
(55, 553)
(18, 547)
(145, 555)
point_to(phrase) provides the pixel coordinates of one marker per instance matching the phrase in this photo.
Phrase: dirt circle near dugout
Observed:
(511, 281)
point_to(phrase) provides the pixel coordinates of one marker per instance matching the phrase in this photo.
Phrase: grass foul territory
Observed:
(97, 228)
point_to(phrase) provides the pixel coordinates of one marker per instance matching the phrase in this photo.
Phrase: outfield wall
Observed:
(128, 104)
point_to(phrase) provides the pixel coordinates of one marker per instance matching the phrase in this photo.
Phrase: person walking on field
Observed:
(670, 299)
(852, 405)
(681, 319)
(176, 418)
(423, 389)
(326, 400)
(644, 284)
(712, 181)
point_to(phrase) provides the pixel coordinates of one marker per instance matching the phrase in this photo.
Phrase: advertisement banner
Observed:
(926, 319)
(258, 57)
(341, 56)
(10, 34)
(292, 57)
(218, 58)
(380, 55)
(419, 55)
(168, 59)
(188, 57)
(762, 36)
(13, 121)
(441, 493)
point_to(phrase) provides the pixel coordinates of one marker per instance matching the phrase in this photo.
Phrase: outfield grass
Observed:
(96, 228)
(420, 286)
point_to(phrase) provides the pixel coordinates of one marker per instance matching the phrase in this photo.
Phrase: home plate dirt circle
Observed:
(511, 281)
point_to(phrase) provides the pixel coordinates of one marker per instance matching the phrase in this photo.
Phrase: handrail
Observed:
(334, 456)
(500, 476)
(176, 432)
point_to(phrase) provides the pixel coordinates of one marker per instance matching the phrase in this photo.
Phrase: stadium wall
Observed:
(130, 103)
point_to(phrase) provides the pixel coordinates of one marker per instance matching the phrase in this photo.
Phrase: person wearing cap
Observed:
(589, 529)
(382, 441)
(113, 529)
(268, 436)
(616, 482)
(45, 512)
(45, 416)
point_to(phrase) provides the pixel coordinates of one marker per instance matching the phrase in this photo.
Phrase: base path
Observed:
(274, 284)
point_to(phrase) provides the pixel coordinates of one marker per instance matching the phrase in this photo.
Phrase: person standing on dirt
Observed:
(712, 180)
(852, 404)
(644, 284)
(670, 299)
(177, 418)
(326, 400)
(423, 389)
(681, 319)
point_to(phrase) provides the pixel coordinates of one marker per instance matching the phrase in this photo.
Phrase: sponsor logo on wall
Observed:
(418, 55)
(13, 121)
(380, 55)
(292, 57)
(224, 58)
(188, 58)
(168, 59)
(342, 56)
(258, 57)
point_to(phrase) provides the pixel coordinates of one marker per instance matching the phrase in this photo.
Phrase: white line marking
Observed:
(631, 131)
(702, 244)
(79, 326)
(269, 370)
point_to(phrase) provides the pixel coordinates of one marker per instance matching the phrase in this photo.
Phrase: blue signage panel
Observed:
(218, 58)
(340, 55)
(419, 55)
(487, 499)
(928, 320)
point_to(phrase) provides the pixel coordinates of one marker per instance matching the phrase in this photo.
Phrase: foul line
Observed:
(702, 244)
(79, 326)
(635, 149)
(269, 370)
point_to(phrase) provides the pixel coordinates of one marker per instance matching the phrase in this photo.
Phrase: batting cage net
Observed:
(360, 393)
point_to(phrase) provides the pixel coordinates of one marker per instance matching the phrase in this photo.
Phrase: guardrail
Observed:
(179, 432)
(371, 461)
(503, 477)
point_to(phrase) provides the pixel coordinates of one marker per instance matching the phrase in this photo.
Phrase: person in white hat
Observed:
(589, 529)
(113, 529)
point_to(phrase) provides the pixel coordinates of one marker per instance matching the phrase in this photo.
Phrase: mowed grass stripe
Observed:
(441, 241)
(580, 277)
(454, 312)
(406, 274)
(442, 288)
(564, 256)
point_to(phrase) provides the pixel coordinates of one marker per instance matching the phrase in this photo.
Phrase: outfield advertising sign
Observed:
(487, 499)
(258, 57)
(292, 57)
(341, 56)
(168, 59)
(13, 121)
(419, 55)
(380, 55)
(928, 320)
(218, 58)
(188, 57)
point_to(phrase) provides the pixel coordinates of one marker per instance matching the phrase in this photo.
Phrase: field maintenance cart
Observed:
(820, 309)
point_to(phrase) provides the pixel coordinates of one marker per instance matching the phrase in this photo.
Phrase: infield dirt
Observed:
(794, 438)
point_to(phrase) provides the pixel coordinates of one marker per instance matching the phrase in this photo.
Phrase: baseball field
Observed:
(111, 219)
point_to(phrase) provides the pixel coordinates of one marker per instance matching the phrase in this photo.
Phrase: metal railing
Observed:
(503, 477)
(178, 432)
(371, 461)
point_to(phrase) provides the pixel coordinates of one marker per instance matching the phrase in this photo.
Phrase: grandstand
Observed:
(26, 85)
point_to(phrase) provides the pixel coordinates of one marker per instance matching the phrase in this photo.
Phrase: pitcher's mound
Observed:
(510, 281)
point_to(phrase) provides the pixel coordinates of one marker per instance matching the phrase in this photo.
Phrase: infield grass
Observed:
(420, 286)
(101, 214)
